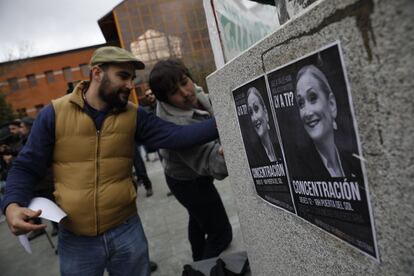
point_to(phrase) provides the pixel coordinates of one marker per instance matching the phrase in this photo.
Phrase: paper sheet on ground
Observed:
(50, 211)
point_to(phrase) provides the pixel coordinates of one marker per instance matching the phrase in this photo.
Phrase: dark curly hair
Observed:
(165, 77)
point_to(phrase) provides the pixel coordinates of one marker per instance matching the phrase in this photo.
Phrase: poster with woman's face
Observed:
(316, 123)
(263, 150)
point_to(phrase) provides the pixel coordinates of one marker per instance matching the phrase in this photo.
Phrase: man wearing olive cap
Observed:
(88, 137)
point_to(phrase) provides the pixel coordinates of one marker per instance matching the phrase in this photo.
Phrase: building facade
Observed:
(29, 84)
(151, 30)
(154, 30)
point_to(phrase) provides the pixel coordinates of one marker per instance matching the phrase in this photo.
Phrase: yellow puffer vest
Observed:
(93, 179)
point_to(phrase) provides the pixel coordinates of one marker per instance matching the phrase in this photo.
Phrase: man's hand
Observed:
(18, 219)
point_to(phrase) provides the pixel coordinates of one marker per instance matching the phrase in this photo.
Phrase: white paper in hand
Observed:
(50, 211)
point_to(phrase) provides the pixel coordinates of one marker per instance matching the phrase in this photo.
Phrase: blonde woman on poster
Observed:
(318, 111)
(260, 121)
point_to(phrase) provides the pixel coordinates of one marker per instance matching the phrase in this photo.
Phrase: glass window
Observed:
(32, 80)
(84, 70)
(14, 84)
(50, 77)
(67, 73)
(21, 112)
(154, 45)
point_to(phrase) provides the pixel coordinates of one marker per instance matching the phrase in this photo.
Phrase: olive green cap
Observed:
(112, 54)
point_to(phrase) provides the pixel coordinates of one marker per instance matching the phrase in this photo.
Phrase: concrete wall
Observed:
(377, 39)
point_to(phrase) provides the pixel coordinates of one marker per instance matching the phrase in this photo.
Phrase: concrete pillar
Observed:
(377, 41)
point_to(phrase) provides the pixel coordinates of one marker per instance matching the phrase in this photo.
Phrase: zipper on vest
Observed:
(98, 137)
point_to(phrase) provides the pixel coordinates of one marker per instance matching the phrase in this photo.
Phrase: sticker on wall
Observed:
(315, 119)
(261, 143)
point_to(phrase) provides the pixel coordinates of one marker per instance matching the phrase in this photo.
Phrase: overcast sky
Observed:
(39, 27)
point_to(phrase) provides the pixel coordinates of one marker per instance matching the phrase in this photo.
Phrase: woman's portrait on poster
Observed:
(259, 118)
(318, 111)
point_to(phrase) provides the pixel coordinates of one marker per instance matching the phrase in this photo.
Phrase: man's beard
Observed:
(112, 97)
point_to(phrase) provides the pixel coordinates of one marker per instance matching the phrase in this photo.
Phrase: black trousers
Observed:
(209, 229)
(141, 170)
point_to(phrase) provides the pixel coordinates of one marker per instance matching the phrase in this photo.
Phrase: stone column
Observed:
(377, 41)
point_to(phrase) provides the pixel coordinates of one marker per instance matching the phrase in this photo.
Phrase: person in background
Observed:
(14, 128)
(15, 142)
(25, 127)
(10, 147)
(139, 165)
(190, 172)
(141, 173)
(6, 154)
(5, 136)
(151, 107)
(88, 137)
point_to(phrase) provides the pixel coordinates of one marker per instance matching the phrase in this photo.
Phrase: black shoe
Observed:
(153, 266)
(169, 193)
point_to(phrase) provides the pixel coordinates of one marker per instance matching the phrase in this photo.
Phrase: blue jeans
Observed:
(122, 250)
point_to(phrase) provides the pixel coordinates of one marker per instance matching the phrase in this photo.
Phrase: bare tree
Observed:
(13, 60)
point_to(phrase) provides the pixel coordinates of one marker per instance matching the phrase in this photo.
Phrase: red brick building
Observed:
(30, 84)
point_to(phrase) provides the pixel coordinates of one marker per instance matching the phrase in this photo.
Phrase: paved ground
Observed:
(165, 223)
